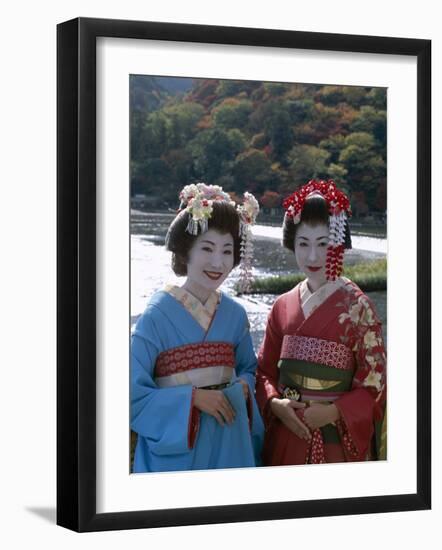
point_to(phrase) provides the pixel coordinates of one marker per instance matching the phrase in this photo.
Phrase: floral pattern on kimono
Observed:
(339, 313)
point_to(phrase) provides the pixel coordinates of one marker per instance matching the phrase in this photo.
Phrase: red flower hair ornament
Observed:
(339, 211)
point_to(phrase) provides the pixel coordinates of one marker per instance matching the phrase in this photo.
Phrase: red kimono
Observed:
(324, 347)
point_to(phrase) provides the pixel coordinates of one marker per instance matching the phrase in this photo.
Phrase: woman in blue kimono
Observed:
(192, 361)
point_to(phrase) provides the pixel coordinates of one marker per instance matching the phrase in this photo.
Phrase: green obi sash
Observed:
(319, 370)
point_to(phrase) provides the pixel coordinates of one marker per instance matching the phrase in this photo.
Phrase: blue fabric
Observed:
(160, 416)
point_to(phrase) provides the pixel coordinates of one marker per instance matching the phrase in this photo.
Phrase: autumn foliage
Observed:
(266, 137)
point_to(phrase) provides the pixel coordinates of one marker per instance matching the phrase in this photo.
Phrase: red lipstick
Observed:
(214, 275)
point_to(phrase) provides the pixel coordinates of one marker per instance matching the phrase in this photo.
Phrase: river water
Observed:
(150, 266)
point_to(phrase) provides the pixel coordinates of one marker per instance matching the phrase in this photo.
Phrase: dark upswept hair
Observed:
(224, 219)
(315, 212)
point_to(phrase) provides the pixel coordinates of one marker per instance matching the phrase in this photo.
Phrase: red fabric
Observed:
(316, 350)
(193, 356)
(315, 450)
(285, 315)
(356, 427)
(348, 445)
(346, 317)
(282, 448)
(194, 422)
(249, 405)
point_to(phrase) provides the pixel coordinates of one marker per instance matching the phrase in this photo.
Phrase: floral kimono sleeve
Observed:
(364, 404)
(370, 356)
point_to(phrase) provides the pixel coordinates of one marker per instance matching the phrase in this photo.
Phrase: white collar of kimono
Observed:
(311, 300)
(202, 313)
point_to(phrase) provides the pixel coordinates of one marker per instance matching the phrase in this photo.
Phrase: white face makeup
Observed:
(311, 244)
(210, 261)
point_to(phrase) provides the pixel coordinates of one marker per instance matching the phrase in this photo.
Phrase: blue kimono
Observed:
(179, 345)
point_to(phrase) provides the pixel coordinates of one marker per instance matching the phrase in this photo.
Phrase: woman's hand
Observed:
(284, 409)
(215, 403)
(318, 415)
(245, 387)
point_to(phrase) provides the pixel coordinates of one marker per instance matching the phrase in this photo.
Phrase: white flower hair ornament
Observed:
(197, 199)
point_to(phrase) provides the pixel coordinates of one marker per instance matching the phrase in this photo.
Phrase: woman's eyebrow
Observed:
(317, 238)
(228, 244)
(208, 242)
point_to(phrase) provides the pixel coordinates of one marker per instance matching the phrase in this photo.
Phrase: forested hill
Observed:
(149, 93)
(268, 138)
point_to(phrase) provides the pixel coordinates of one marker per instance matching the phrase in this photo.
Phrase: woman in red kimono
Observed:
(321, 367)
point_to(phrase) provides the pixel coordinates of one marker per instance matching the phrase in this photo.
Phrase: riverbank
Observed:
(369, 276)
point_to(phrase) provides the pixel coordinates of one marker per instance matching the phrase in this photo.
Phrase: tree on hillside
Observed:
(259, 141)
(232, 113)
(180, 162)
(152, 177)
(377, 98)
(307, 162)
(359, 204)
(374, 122)
(300, 110)
(333, 145)
(238, 141)
(228, 88)
(204, 91)
(183, 119)
(251, 169)
(212, 151)
(326, 121)
(331, 95)
(366, 169)
(137, 138)
(354, 95)
(273, 117)
(275, 89)
(146, 94)
(232, 88)
(338, 174)
(156, 133)
(271, 199)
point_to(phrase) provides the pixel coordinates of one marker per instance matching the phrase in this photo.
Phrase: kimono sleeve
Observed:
(364, 404)
(164, 416)
(245, 358)
(267, 375)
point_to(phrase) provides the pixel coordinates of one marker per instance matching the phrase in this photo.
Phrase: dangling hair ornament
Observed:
(339, 211)
(197, 199)
(248, 211)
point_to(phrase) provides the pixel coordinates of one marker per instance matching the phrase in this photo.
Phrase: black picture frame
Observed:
(76, 273)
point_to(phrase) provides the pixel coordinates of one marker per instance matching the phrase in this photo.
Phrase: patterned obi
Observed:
(317, 370)
(200, 365)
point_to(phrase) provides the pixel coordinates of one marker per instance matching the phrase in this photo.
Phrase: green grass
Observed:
(369, 276)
